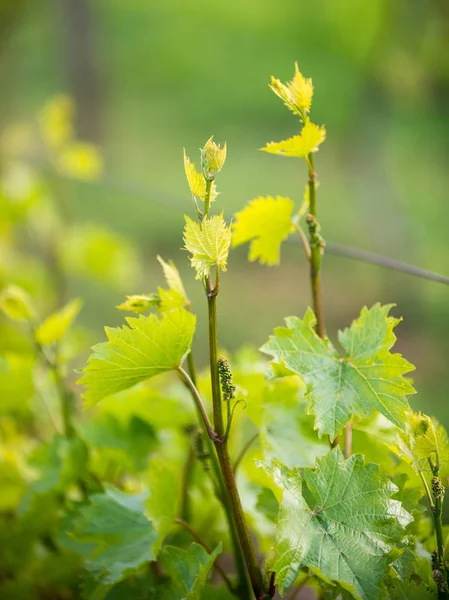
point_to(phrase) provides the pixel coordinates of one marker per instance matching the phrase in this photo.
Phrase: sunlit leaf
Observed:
(173, 278)
(146, 347)
(80, 161)
(57, 324)
(366, 378)
(266, 222)
(16, 304)
(296, 94)
(208, 244)
(301, 145)
(56, 121)
(139, 302)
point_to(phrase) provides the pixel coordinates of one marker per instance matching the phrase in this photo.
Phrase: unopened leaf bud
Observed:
(213, 158)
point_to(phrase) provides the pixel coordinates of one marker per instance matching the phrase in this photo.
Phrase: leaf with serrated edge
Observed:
(367, 378)
(173, 278)
(147, 347)
(113, 535)
(208, 243)
(189, 569)
(341, 520)
(54, 328)
(266, 222)
(301, 145)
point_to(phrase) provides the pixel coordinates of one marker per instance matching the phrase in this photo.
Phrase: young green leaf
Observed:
(148, 347)
(301, 145)
(189, 569)
(208, 244)
(173, 278)
(296, 94)
(266, 222)
(367, 378)
(408, 590)
(113, 535)
(16, 304)
(54, 328)
(196, 181)
(139, 302)
(341, 520)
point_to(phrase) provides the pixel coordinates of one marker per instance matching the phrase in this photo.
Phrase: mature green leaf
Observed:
(54, 328)
(408, 590)
(131, 440)
(286, 432)
(148, 347)
(113, 535)
(341, 520)
(366, 378)
(208, 244)
(189, 569)
(266, 222)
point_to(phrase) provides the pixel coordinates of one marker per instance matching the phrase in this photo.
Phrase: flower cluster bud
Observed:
(437, 488)
(227, 383)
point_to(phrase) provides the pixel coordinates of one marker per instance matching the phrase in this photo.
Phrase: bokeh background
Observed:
(149, 78)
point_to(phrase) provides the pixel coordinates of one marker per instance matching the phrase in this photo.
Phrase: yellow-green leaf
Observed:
(296, 94)
(139, 302)
(173, 278)
(300, 145)
(16, 304)
(54, 328)
(266, 222)
(146, 347)
(208, 244)
(56, 121)
(196, 181)
(80, 161)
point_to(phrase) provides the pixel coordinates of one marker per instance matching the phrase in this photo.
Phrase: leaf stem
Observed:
(427, 490)
(348, 440)
(207, 198)
(186, 480)
(244, 450)
(196, 397)
(221, 445)
(65, 394)
(220, 490)
(199, 541)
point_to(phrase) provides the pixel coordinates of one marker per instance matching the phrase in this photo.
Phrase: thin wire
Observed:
(383, 261)
(166, 200)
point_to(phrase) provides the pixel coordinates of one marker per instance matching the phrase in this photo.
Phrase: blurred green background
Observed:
(151, 77)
